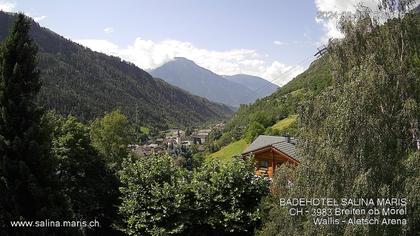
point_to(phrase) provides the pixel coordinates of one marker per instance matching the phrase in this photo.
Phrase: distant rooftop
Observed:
(278, 142)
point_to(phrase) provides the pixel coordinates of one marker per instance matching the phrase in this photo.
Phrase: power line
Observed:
(293, 68)
(283, 74)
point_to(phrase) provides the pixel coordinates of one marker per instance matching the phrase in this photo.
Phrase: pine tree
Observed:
(27, 182)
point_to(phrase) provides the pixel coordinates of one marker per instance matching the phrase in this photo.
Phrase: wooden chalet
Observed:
(270, 152)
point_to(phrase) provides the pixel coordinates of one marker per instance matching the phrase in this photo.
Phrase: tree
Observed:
(154, 196)
(28, 186)
(253, 131)
(91, 187)
(412, 191)
(111, 136)
(227, 197)
(356, 136)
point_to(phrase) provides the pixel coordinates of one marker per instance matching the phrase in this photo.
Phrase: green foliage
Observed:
(28, 186)
(184, 158)
(83, 175)
(412, 191)
(262, 117)
(154, 200)
(285, 123)
(198, 159)
(277, 220)
(356, 137)
(145, 130)
(228, 194)
(254, 129)
(162, 198)
(111, 136)
(141, 134)
(286, 126)
(315, 79)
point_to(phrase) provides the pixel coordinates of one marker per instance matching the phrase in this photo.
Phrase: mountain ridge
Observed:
(186, 74)
(78, 81)
(257, 84)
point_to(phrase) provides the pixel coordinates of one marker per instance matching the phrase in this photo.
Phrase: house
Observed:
(272, 151)
(201, 136)
(153, 145)
(174, 133)
(159, 140)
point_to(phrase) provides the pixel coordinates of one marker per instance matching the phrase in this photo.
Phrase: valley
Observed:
(195, 119)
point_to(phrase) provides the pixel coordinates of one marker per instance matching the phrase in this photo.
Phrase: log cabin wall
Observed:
(267, 160)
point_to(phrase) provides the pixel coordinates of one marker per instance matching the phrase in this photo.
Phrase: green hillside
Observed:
(259, 117)
(87, 84)
(236, 148)
(285, 123)
(233, 149)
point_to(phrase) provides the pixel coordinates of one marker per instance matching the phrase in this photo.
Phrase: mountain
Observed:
(257, 84)
(187, 75)
(86, 84)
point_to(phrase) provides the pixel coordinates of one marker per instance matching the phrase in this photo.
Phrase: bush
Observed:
(160, 197)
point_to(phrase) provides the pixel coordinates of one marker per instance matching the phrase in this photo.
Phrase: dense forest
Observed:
(86, 84)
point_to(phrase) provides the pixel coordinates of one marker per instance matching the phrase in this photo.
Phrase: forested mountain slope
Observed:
(86, 84)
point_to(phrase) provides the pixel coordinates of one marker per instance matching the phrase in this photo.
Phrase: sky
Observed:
(273, 39)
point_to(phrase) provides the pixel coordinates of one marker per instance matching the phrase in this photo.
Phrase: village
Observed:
(269, 152)
(175, 141)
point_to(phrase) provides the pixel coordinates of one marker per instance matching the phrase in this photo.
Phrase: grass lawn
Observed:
(227, 152)
(236, 148)
(286, 122)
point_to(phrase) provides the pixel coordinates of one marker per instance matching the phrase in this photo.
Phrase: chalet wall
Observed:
(267, 160)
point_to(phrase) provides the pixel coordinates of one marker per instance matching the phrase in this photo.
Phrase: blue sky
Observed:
(270, 38)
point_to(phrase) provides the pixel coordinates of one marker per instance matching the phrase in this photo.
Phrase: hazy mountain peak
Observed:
(258, 85)
(182, 59)
(230, 90)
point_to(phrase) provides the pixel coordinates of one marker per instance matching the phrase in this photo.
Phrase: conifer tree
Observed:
(27, 182)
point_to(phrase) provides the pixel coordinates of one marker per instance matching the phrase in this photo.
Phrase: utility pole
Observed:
(321, 51)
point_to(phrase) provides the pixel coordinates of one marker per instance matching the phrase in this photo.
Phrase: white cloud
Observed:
(307, 41)
(148, 54)
(331, 9)
(279, 43)
(338, 6)
(100, 45)
(109, 30)
(330, 29)
(10, 6)
(38, 18)
(7, 6)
